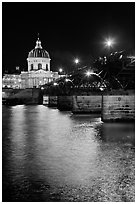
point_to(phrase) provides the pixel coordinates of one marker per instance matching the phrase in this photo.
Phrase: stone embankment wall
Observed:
(22, 96)
(6, 93)
(53, 101)
(64, 103)
(118, 107)
(87, 104)
(113, 106)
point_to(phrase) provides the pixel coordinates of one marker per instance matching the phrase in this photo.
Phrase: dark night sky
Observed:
(67, 30)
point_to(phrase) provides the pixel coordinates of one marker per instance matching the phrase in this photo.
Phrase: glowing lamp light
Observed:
(60, 70)
(88, 73)
(109, 42)
(66, 80)
(120, 56)
(55, 84)
(76, 61)
(101, 89)
(42, 88)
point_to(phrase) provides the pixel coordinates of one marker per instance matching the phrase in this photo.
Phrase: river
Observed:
(49, 155)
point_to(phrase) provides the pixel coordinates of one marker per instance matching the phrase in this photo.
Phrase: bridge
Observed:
(107, 88)
(112, 73)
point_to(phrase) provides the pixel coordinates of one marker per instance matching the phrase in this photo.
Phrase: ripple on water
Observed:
(50, 155)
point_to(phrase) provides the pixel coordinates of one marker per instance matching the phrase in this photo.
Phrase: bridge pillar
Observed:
(64, 103)
(118, 107)
(52, 101)
(87, 104)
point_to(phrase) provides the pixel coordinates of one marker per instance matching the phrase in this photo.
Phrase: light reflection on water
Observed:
(50, 155)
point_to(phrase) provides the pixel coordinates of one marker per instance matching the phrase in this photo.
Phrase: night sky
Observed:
(66, 30)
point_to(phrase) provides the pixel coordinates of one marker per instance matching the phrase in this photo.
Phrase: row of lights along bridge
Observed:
(108, 43)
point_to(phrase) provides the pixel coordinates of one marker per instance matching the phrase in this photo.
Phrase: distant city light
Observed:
(120, 56)
(101, 88)
(88, 73)
(60, 70)
(17, 68)
(76, 61)
(67, 80)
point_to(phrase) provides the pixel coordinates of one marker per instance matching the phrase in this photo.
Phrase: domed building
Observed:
(38, 71)
(38, 58)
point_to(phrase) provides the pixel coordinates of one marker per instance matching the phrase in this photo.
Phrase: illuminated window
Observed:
(39, 66)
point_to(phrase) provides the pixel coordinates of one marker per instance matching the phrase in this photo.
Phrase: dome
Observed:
(38, 51)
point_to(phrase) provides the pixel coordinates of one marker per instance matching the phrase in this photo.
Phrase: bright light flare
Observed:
(101, 89)
(88, 73)
(76, 61)
(67, 80)
(55, 84)
(109, 42)
(60, 70)
(120, 56)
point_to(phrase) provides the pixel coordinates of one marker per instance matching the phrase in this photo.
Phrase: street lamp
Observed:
(88, 73)
(60, 70)
(76, 61)
(55, 84)
(109, 42)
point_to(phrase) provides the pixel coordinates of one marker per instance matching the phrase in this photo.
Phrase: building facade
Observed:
(38, 58)
(12, 81)
(38, 71)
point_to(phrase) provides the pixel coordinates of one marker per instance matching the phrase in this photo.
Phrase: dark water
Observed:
(50, 155)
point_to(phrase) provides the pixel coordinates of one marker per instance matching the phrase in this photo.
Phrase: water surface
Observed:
(50, 155)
